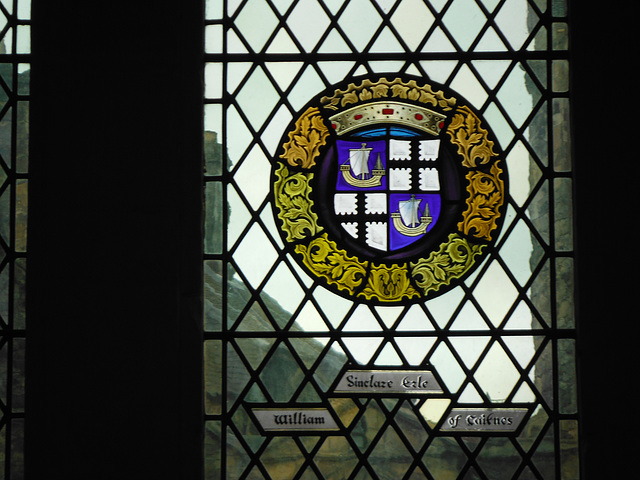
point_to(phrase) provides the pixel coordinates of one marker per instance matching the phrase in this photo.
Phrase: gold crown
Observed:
(388, 112)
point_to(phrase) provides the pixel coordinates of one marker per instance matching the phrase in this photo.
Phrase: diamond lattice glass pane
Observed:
(359, 22)
(335, 458)
(386, 42)
(255, 350)
(522, 348)
(519, 240)
(497, 375)
(332, 305)
(501, 124)
(518, 95)
(334, 43)
(256, 22)
(513, 24)
(368, 426)
(282, 43)
(281, 375)
(415, 349)
(239, 216)
(415, 319)
(284, 289)
(362, 320)
(520, 169)
(496, 293)
(468, 85)
(412, 19)
(470, 348)
(252, 177)
(448, 367)
(277, 123)
(278, 449)
(469, 318)
(257, 98)
(388, 357)
(390, 457)
(254, 320)
(499, 459)
(309, 350)
(238, 137)
(329, 366)
(310, 320)
(234, 43)
(464, 20)
(362, 349)
(308, 22)
(444, 448)
(236, 73)
(255, 255)
(491, 71)
(490, 41)
(309, 83)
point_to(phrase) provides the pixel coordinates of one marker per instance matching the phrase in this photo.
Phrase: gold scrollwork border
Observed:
(486, 197)
(389, 284)
(309, 134)
(395, 282)
(472, 140)
(293, 199)
(323, 257)
(454, 258)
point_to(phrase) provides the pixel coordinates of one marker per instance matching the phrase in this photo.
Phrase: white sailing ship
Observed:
(408, 220)
(355, 170)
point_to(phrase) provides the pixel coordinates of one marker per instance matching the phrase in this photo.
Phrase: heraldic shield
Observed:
(387, 187)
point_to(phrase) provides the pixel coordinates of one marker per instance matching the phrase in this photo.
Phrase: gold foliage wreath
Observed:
(384, 88)
(486, 192)
(389, 284)
(454, 259)
(323, 257)
(295, 206)
(305, 140)
(471, 139)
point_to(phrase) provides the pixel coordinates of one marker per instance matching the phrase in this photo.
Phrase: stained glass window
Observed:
(14, 165)
(389, 255)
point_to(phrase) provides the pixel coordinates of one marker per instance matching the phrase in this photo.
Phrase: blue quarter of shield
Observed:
(411, 217)
(362, 165)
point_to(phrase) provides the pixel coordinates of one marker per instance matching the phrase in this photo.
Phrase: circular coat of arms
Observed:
(389, 189)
